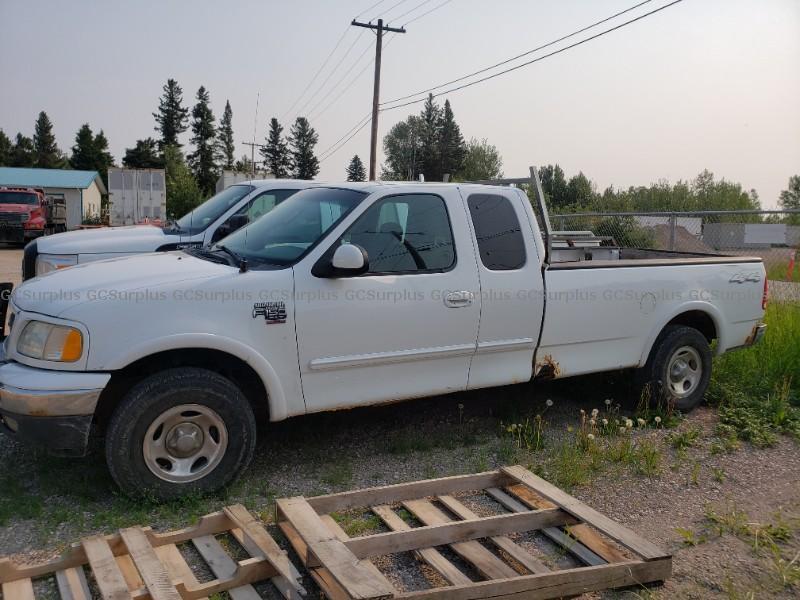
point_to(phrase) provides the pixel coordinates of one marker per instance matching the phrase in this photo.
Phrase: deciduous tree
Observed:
(481, 161)
(144, 155)
(23, 153)
(402, 147)
(5, 149)
(182, 192)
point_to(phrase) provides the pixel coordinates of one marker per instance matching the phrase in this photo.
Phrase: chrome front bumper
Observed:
(53, 409)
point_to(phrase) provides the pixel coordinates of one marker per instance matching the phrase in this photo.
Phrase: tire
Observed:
(678, 369)
(180, 431)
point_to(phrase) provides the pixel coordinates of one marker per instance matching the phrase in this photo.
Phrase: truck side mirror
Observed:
(237, 222)
(347, 260)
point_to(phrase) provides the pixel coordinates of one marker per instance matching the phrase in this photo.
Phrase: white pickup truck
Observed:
(216, 218)
(344, 296)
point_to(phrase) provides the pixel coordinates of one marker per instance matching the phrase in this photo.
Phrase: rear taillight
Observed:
(766, 294)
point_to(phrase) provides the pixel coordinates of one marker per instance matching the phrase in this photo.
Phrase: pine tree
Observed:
(276, 151)
(144, 155)
(84, 153)
(355, 171)
(46, 152)
(23, 153)
(202, 160)
(243, 165)
(172, 116)
(103, 158)
(302, 142)
(452, 149)
(5, 149)
(431, 124)
(225, 143)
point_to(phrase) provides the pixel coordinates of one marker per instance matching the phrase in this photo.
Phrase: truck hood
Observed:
(16, 208)
(115, 278)
(133, 238)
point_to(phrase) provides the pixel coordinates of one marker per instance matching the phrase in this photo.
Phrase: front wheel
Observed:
(678, 369)
(180, 431)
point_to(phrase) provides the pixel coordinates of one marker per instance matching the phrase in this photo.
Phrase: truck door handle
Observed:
(458, 299)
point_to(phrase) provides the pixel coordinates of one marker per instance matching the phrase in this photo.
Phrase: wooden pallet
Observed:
(138, 563)
(341, 565)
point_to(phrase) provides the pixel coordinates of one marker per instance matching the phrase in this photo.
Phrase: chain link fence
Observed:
(773, 235)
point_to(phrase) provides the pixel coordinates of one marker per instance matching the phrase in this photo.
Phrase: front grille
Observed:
(13, 217)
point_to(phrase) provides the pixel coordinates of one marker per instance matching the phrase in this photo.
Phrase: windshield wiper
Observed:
(241, 262)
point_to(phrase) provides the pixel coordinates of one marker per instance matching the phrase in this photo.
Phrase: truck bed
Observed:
(647, 257)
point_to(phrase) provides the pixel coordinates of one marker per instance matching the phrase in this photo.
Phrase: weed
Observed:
(690, 538)
(694, 476)
(680, 440)
(647, 458)
(356, 524)
(719, 474)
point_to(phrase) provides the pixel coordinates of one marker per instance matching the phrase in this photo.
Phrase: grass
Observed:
(780, 272)
(757, 390)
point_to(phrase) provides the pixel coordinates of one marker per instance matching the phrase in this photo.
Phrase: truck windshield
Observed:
(212, 209)
(18, 198)
(294, 227)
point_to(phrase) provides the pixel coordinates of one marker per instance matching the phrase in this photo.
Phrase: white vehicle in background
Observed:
(216, 218)
(350, 295)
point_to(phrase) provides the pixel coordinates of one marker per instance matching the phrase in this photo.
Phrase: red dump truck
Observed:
(27, 213)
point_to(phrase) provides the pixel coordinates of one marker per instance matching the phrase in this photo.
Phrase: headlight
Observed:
(52, 262)
(45, 341)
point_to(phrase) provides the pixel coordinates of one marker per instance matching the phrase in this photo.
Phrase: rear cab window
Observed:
(497, 229)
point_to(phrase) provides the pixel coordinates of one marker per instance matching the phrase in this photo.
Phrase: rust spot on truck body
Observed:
(547, 368)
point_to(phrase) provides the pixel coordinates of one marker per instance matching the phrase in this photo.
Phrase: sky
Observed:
(704, 84)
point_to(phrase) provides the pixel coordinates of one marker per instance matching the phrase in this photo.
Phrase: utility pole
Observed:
(376, 90)
(253, 146)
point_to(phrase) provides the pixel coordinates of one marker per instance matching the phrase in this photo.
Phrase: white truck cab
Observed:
(217, 217)
(342, 296)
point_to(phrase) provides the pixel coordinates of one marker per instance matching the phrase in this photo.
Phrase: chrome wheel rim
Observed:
(185, 443)
(684, 371)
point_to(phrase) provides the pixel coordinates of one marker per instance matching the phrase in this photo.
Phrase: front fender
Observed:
(276, 396)
(695, 305)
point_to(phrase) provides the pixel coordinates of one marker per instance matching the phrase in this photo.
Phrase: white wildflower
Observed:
(605, 422)
(595, 412)
(592, 422)
(590, 436)
(622, 430)
(548, 402)
(641, 422)
(628, 423)
(608, 401)
(657, 419)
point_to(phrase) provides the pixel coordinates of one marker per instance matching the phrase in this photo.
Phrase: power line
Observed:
(346, 88)
(366, 10)
(331, 151)
(390, 9)
(311, 110)
(410, 10)
(336, 68)
(435, 8)
(535, 60)
(513, 58)
(314, 78)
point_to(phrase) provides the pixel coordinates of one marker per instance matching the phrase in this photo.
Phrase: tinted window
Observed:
(500, 241)
(287, 232)
(263, 203)
(405, 234)
(212, 209)
(18, 198)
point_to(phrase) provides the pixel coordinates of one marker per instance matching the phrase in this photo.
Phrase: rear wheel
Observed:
(180, 431)
(678, 369)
